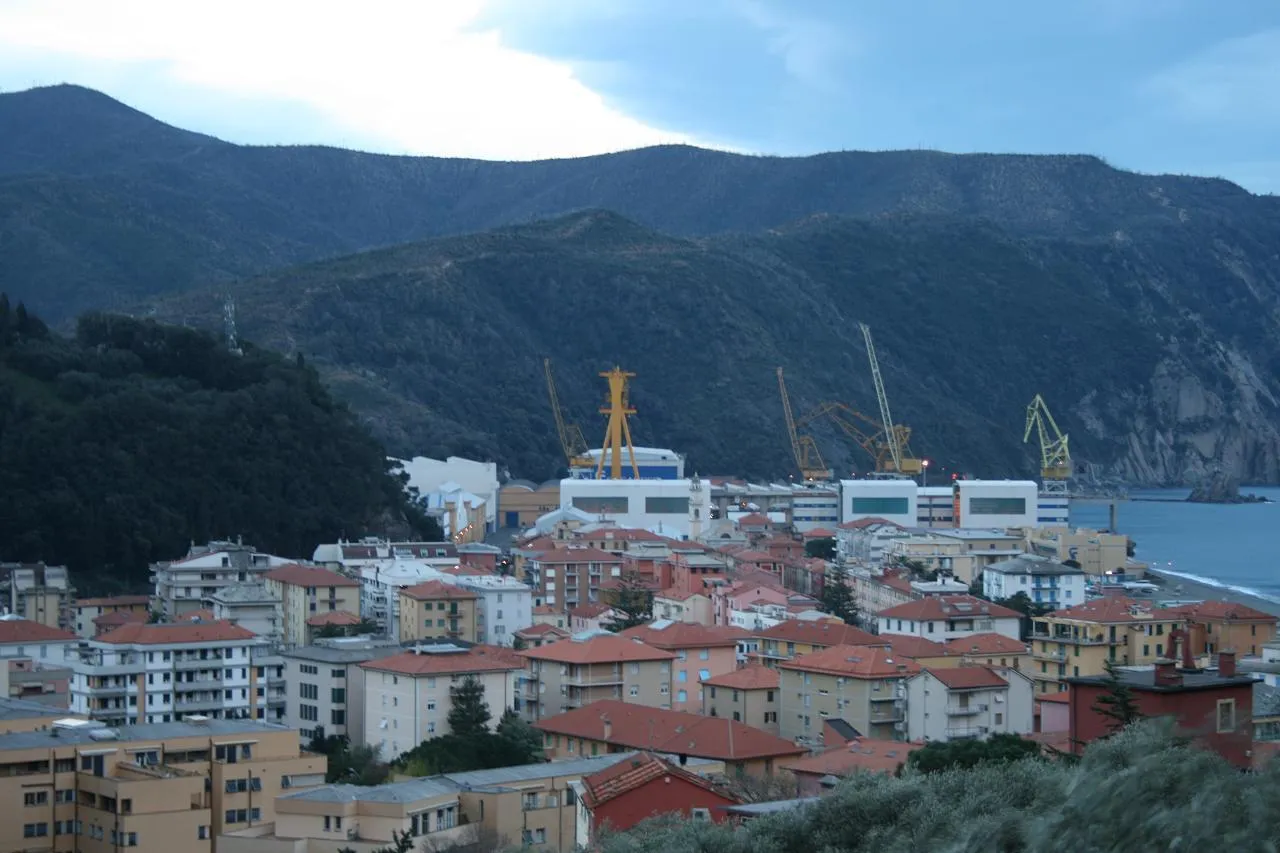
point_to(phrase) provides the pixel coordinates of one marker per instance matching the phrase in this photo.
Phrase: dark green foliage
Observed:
(1022, 603)
(524, 739)
(514, 742)
(124, 444)
(631, 600)
(824, 549)
(468, 714)
(364, 626)
(964, 754)
(1117, 702)
(352, 765)
(837, 596)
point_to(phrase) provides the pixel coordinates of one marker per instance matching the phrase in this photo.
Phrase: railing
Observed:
(966, 732)
(965, 710)
(889, 715)
(1060, 656)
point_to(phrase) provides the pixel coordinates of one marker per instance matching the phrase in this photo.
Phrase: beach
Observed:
(1175, 587)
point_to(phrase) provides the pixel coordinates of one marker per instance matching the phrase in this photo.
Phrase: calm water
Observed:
(1228, 546)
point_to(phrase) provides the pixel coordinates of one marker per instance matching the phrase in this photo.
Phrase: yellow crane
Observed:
(572, 441)
(1055, 455)
(866, 432)
(617, 433)
(803, 448)
(895, 457)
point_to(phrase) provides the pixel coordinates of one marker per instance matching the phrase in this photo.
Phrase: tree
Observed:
(837, 596)
(1117, 702)
(631, 601)
(823, 549)
(523, 739)
(953, 754)
(354, 765)
(518, 643)
(469, 716)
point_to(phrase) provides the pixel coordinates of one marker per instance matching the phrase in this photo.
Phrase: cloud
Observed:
(810, 49)
(1234, 81)
(411, 76)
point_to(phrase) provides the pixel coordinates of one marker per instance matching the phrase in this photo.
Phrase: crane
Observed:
(865, 431)
(572, 442)
(617, 434)
(803, 448)
(1055, 455)
(895, 436)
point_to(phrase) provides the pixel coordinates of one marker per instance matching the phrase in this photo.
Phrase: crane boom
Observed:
(803, 448)
(896, 456)
(572, 441)
(1055, 453)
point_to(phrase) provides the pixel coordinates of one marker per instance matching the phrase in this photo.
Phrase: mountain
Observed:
(125, 443)
(1156, 352)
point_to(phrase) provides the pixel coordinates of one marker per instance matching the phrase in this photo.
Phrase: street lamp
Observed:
(924, 466)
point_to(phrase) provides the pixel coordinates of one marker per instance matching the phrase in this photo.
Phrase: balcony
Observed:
(593, 680)
(965, 710)
(885, 714)
(966, 732)
(1054, 655)
(199, 663)
(110, 690)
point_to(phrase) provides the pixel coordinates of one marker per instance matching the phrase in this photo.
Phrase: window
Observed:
(704, 674)
(704, 654)
(602, 504)
(306, 691)
(633, 690)
(682, 676)
(997, 506)
(35, 830)
(338, 695)
(701, 814)
(338, 717)
(880, 506)
(682, 695)
(667, 506)
(1226, 715)
(333, 673)
(35, 798)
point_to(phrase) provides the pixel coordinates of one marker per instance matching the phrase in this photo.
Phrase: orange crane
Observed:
(897, 458)
(572, 441)
(617, 433)
(803, 448)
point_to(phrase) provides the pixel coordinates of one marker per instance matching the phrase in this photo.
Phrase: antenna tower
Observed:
(229, 326)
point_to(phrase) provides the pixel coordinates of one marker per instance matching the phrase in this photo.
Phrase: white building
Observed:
(864, 542)
(324, 685)
(998, 503)
(480, 479)
(967, 702)
(946, 617)
(674, 508)
(349, 557)
(380, 585)
(1042, 580)
(191, 582)
(249, 606)
(653, 463)
(504, 607)
(935, 506)
(23, 638)
(1053, 510)
(158, 673)
(889, 499)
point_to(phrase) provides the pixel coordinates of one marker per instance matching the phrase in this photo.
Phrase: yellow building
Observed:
(173, 786)
(793, 637)
(40, 593)
(857, 684)
(1218, 626)
(304, 592)
(437, 609)
(573, 673)
(748, 695)
(521, 502)
(1078, 641)
(1098, 553)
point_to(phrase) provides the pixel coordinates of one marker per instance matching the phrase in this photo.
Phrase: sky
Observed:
(1183, 86)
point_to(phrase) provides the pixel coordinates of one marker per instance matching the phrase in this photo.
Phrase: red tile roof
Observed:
(635, 773)
(545, 610)
(822, 633)
(674, 594)
(819, 533)
(541, 629)
(432, 590)
(474, 659)
(26, 631)
(754, 677)
(1222, 611)
(540, 544)
(299, 575)
(563, 556)
(175, 633)
(606, 648)
(1061, 697)
(201, 615)
(116, 618)
(753, 519)
(590, 610)
(621, 534)
(874, 662)
(114, 601)
(334, 617)
(858, 755)
(942, 607)
(868, 522)
(986, 644)
(673, 732)
(1115, 609)
(915, 647)
(686, 635)
(968, 678)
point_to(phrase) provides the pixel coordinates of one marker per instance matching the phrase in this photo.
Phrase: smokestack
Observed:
(1167, 674)
(608, 726)
(1227, 664)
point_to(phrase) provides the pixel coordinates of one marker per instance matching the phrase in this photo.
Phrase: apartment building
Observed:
(306, 591)
(947, 617)
(371, 551)
(857, 684)
(407, 697)
(1078, 641)
(81, 786)
(967, 702)
(504, 606)
(188, 584)
(158, 673)
(684, 606)
(1217, 626)
(701, 652)
(435, 609)
(581, 670)
(324, 685)
(85, 610)
(40, 593)
(748, 695)
(567, 577)
(251, 606)
(796, 637)
(36, 683)
(538, 634)
(994, 650)
(23, 638)
(1044, 581)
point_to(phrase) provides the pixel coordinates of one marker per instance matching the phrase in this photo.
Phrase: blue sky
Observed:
(1153, 85)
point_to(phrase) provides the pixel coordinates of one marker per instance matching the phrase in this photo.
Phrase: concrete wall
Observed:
(892, 500)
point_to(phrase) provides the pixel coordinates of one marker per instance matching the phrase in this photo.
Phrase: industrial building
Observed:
(673, 508)
(997, 503)
(893, 500)
(652, 463)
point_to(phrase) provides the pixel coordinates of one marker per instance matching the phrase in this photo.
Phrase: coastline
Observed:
(1196, 590)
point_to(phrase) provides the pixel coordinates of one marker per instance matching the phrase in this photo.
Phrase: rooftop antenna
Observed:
(229, 326)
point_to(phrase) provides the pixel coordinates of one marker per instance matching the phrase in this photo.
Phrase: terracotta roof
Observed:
(942, 607)
(605, 648)
(819, 533)
(915, 647)
(334, 617)
(674, 594)
(114, 601)
(299, 575)
(635, 773)
(986, 644)
(861, 754)
(894, 580)
(116, 618)
(577, 555)
(1061, 697)
(475, 659)
(754, 677)
(201, 615)
(753, 519)
(685, 635)
(749, 556)
(545, 610)
(539, 544)
(431, 590)
(868, 522)
(622, 534)
(175, 633)
(463, 570)
(541, 629)
(589, 610)
(27, 631)
(1114, 609)
(968, 678)
(854, 662)
(1226, 611)
(820, 633)
(673, 732)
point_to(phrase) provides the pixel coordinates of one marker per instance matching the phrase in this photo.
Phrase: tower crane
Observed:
(803, 448)
(572, 442)
(617, 434)
(1055, 455)
(864, 431)
(898, 458)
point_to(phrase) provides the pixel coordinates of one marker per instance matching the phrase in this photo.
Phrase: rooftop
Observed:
(342, 618)
(147, 732)
(634, 773)
(943, 607)
(863, 754)
(1113, 609)
(114, 601)
(26, 631)
(139, 633)
(432, 590)
(986, 644)
(345, 650)
(968, 678)
(300, 575)
(597, 648)
(447, 660)
(753, 677)
(1144, 680)
(824, 633)
(243, 593)
(1033, 564)
(665, 634)
(22, 709)
(1225, 611)
(873, 662)
(572, 554)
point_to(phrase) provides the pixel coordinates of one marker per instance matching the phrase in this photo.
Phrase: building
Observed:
(863, 542)
(995, 650)
(504, 606)
(351, 557)
(158, 673)
(187, 584)
(85, 610)
(523, 502)
(795, 637)
(947, 617)
(968, 702)
(683, 606)
(814, 508)
(611, 725)
(641, 787)
(817, 774)
(1044, 581)
(675, 508)
(1080, 640)
(21, 715)
(857, 684)
(997, 503)
(701, 652)
(407, 697)
(1217, 626)
(250, 606)
(1098, 553)
(653, 463)
(40, 593)
(34, 683)
(566, 578)
(748, 695)
(936, 507)
(589, 667)
(891, 500)
(305, 591)
(151, 788)
(325, 685)
(23, 638)
(428, 476)
(435, 609)
(540, 634)
(1214, 706)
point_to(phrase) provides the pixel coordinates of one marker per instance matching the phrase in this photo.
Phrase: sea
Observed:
(1231, 546)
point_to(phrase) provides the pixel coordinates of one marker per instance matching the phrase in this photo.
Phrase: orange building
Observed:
(702, 652)
(1217, 626)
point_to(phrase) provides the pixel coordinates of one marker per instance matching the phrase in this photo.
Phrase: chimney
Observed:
(608, 726)
(1167, 674)
(1226, 664)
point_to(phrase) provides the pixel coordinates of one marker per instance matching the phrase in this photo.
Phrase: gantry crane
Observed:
(572, 441)
(617, 433)
(865, 431)
(895, 436)
(1055, 455)
(803, 448)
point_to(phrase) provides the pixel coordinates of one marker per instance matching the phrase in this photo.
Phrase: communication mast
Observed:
(229, 326)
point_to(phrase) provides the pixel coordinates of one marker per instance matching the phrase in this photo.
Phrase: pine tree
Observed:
(525, 741)
(469, 715)
(631, 600)
(1117, 703)
(837, 596)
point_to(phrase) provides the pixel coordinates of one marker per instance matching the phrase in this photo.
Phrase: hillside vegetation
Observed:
(124, 444)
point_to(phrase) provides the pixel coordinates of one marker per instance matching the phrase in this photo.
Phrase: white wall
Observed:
(1053, 511)
(401, 711)
(956, 625)
(480, 478)
(633, 494)
(997, 710)
(1068, 592)
(507, 605)
(865, 499)
(973, 493)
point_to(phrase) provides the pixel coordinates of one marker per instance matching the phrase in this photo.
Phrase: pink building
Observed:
(1054, 710)
(738, 595)
(589, 617)
(702, 652)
